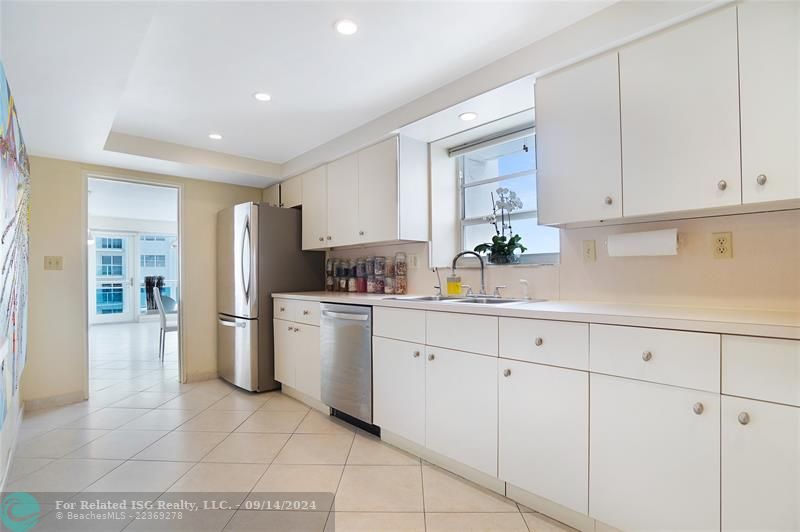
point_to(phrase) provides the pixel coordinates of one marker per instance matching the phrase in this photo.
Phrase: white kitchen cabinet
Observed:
(342, 196)
(760, 465)
(473, 333)
(315, 208)
(284, 349)
(292, 192)
(307, 378)
(461, 407)
(556, 343)
(579, 168)
(297, 356)
(398, 373)
(377, 192)
(399, 324)
(769, 63)
(680, 118)
(272, 195)
(544, 431)
(655, 456)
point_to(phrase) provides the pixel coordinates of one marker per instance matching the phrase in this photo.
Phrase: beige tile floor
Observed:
(157, 436)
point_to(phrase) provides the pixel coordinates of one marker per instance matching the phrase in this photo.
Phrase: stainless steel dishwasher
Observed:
(346, 344)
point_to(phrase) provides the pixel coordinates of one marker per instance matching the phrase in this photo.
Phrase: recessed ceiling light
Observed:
(262, 96)
(215, 136)
(346, 27)
(468, 116)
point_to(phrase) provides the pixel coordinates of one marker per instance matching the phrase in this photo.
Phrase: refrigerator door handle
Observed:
(245, 259)
(227, 323)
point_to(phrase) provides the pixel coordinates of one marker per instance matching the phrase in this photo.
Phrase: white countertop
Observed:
(769, 323)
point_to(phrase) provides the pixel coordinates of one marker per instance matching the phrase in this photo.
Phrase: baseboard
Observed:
(307, 399)
(200, 377)
(56, 400)
(577, 520)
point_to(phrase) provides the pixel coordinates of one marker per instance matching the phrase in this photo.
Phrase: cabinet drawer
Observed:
(399, 324)
(298, 310)
(463, 332)
(761, 368)
(678, 358)
(557, 343)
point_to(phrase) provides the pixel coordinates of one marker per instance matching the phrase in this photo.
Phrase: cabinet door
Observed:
(680, 118)
(769, 63)
(343, 201)
(578, 143)
(654, 459)
(544, 431)
(377, 192)
(398, 387)
(760, 465)
(284, 352)
(461, 407)
(307, 356)
(292, 192)
(272, 195)
(315, 208)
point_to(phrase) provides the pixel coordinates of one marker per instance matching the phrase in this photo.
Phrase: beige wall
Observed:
(764, 272)
(57, 323)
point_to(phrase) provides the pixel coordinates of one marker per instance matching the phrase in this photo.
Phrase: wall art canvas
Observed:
(14, 244)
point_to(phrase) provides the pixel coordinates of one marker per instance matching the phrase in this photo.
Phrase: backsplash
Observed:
(763, 273)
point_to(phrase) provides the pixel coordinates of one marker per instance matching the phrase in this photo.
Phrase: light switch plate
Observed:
(53, 263)
(589, 251)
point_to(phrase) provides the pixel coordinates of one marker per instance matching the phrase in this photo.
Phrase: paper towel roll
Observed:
(645, 244)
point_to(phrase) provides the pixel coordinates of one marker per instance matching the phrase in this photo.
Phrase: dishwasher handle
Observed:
(345, 316)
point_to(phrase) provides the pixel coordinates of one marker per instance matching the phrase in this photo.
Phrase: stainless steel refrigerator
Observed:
(258, 254)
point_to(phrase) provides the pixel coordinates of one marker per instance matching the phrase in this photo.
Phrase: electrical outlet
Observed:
(722, 245)
(589, 251)
(54, 263)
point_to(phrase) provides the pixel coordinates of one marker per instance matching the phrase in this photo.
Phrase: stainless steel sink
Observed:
(426, 298)
(490, 300)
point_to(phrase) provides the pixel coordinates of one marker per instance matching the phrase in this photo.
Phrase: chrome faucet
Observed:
(480, 260)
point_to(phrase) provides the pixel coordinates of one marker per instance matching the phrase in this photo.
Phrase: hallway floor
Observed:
(142, 432)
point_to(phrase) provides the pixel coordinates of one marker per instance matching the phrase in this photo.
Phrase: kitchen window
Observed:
(508, 162)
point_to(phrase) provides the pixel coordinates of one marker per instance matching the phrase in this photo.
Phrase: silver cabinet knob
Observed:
(744, 418)
(761, 179)
(321, 239)
(283, 309)
(609, 200)
(539, 341)
(416, 354)
(296, 329)
(722, 185)
(305, 313)
(698, 408)
(647, 355)
(506, 373)
(431, 356)
(328, 237)
(290, 327)
(361, 233)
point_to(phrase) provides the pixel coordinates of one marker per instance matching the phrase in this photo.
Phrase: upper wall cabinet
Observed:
(292, 192)
(680, 118)
(769, 63)
(378, 194)
(578, 143)
(315, 207)
(272, 195)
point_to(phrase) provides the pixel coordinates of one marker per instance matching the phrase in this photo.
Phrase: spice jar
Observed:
(380, 284)
(400, 264)
(388, 286)
(401, 284)
(389, 267)
(361, 268)
(329, 281)
(370, 266)
(361, 284)
(380, 266)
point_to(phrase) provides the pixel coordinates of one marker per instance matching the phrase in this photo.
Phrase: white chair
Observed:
(165, 327)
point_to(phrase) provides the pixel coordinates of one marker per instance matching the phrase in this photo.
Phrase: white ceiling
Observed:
(119, 199)
(176, 71)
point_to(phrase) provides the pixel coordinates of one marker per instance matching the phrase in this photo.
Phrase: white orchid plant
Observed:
(502, 248)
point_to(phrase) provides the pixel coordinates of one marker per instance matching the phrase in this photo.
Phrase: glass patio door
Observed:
(114, 270)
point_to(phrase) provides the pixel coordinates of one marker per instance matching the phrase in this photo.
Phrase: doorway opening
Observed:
(134, 289)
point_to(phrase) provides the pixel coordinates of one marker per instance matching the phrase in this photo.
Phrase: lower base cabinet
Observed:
(760, 465)
(297, 356)
(461, 407)
(398, 373)
(544, 431)
(655, 456)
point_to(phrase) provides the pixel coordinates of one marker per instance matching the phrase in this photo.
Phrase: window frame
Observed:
(464, 222)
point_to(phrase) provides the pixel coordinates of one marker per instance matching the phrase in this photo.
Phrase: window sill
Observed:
(534, 261)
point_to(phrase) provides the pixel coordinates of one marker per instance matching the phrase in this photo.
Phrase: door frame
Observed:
(150, 181)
